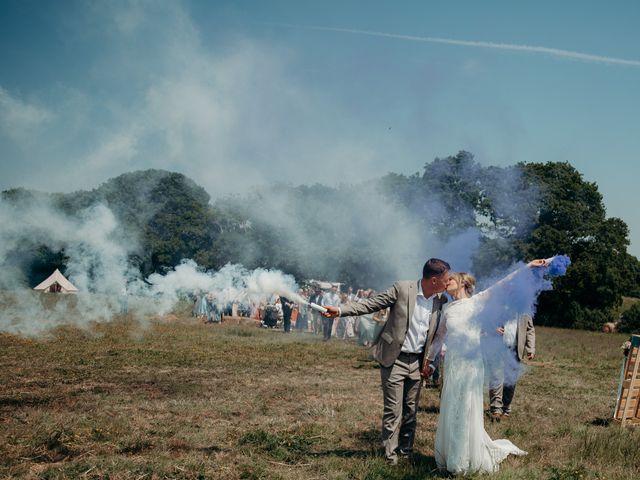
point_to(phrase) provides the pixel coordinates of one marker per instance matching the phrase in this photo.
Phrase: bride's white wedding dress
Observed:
(461, 444)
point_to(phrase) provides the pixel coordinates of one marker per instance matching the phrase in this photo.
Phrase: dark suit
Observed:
(286, 313)
(400, 372)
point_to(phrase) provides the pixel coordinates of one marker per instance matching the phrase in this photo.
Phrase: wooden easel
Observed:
(627, 410)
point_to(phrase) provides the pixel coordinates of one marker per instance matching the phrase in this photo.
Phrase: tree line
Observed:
(524, 211)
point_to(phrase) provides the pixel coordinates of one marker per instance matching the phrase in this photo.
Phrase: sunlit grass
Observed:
(179, 399)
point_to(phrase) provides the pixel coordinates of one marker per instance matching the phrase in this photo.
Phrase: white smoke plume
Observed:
(314, 234)
(231, 284)
(97, 252)
(390, 241)
(96, 248)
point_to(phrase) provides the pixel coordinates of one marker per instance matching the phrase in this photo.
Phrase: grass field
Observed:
(179, 399)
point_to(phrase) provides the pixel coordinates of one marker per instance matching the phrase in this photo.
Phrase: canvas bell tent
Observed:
(56, 283)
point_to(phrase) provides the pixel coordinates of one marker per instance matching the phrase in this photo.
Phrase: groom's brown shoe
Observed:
(495, 416)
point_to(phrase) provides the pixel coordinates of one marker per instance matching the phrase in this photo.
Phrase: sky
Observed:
(239, 93)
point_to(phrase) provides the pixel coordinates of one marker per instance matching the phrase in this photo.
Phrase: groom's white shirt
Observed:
(419, 325)
(437, 345)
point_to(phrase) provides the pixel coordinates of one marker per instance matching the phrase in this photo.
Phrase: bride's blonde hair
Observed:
(465, 280)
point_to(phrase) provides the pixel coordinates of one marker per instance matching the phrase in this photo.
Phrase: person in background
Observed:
(279, 310)
(195, 299)
(349, 330)
(350, 295)
(317, 319)
(213, 314)
(341, 324)
(520, 336)
(329, 299)
(287, 309)
(367, 327)
(202, 307)
(124, 301)
(255, 311)
(302, 323)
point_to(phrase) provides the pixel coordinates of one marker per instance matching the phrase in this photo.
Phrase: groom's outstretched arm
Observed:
(382, 300)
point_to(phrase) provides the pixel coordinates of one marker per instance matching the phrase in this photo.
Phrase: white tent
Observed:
(56, 283)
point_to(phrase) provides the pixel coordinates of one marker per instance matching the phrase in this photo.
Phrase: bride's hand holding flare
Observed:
(540, 262)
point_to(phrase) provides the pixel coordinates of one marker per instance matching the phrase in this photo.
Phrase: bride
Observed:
(461, 444)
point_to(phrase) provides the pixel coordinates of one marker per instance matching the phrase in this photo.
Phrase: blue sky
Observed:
(237, 93)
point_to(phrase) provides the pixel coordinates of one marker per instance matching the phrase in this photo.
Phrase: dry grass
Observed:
(186, 400)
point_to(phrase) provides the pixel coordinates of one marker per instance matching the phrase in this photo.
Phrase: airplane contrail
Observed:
(556, 52)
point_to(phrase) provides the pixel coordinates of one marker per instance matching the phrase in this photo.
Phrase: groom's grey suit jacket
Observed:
(401, 300)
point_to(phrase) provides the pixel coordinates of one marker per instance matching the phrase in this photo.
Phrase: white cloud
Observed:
(228, 118)
(120, 148)
(18, 118)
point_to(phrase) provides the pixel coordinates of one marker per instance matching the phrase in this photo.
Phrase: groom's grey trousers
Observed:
(401, 390)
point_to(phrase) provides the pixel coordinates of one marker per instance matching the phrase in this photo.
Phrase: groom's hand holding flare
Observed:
(332, 312)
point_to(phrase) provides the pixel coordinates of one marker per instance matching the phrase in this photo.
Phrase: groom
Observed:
(401, 348)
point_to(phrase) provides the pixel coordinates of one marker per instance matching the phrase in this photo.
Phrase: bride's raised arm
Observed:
(517, 292)
(538, 263)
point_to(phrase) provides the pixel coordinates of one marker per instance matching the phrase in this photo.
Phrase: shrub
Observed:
(630, 321)
(592, 319)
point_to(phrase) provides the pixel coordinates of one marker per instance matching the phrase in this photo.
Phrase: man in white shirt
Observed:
(329, 299)
(401, 348)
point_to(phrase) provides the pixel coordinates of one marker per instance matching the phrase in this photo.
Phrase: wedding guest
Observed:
(329, 299)
(520, 336)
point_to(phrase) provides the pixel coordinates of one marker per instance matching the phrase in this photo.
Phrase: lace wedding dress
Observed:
(461, 444)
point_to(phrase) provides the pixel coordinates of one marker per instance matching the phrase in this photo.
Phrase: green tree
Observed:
(630, 321)
(539, 210)
(182, 226)
(453, 189)
(572, 221)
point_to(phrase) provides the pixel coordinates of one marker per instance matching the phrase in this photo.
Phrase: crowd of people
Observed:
(279, 312)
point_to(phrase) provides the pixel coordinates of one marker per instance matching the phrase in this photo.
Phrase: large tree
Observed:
(535, 210)
(572, 220)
